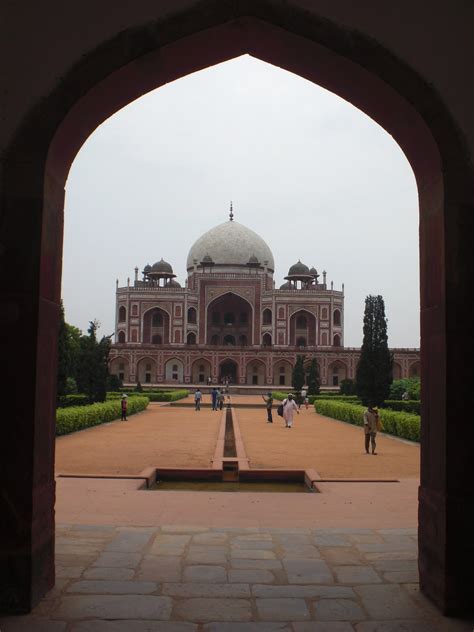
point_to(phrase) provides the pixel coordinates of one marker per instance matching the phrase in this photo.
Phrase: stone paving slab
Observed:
(283, 609)
(349, 588)
(204, 609)
(133, 626)
(114, 607)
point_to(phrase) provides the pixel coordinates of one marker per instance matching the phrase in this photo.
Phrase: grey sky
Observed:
(311, 174)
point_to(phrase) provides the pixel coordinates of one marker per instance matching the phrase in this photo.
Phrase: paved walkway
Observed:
(163, 436)
(160, 435)
(334, 449)
(190, 579)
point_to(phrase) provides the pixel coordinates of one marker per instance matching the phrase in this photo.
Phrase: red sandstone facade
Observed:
(229, 320)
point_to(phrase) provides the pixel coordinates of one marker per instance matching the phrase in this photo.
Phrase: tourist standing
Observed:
(269, 403)
(289, 407)
(197, 399)
(214, 398)
(123, 408)
(370, 428)
(220, 399)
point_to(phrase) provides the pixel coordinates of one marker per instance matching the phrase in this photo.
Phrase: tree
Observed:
(68, 350)
(92, 369)
(313, 378)
(347, 387)
(374, 370)
(298, 376)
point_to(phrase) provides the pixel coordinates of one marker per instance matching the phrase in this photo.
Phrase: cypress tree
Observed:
(92, 370)
(298, 374)
(374, 370)
(313, 378)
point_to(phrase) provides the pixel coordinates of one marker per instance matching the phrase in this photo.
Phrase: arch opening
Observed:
(376, 97)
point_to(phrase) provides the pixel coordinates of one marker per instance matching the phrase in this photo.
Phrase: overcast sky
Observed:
(311, 174)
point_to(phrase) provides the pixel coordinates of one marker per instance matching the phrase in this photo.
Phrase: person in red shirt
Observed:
(123, 407)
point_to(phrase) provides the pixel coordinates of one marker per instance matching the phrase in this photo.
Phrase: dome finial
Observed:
(231, 213)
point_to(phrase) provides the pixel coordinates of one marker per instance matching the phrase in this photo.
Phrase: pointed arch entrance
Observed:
(229, 370)
(114, 68)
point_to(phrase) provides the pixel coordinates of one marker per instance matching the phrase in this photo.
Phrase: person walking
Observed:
(123, 408)
(269, 403)
(214, 398)
(289, 407)
(197, 399)
(302, 398)
(370, 428)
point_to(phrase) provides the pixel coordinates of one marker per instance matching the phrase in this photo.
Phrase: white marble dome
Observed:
(230, 244)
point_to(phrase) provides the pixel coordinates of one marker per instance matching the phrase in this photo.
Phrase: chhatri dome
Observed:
(230, 244)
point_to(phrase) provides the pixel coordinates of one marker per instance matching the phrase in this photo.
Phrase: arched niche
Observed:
(229, 317)
(156, 326)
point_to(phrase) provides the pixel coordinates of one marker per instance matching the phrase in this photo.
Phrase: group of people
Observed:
(289, 406)
(287, 409)
(217, 399)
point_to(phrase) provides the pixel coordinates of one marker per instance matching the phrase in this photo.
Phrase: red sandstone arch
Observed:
(348, 62)
(414, 369)
(201, 370)
(282, 371)
(255, 372)
(230, 306)
(120, 366)
(397, 370)
(146, 370)
(303, 335)
(122, 314)
(336, 372)
(156, 332)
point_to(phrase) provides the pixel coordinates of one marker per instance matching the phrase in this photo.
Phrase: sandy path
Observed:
(335, 449)
(160, 436)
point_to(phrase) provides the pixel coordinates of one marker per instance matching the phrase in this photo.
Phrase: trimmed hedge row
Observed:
(404, 425)
(313, 398)
(279, 395)
(167, 396)
(80, 417)
(406, 406)
(65, 401)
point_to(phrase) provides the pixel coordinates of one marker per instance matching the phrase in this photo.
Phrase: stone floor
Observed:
(190, 579)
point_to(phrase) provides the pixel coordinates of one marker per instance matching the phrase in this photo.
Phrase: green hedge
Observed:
(65, 401)
(405, 406)
(404, 425)
(279, 395)
(167, 396)
(80, 417)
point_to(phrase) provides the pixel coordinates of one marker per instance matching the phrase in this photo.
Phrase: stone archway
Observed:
(228, 369)
(119, 64)
(146, 371)
(201, 371)
(256, 373)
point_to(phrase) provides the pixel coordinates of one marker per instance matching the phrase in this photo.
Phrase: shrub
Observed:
(167, 396)
(80, 417)
(411, 385)
(65, 401)
(279, 395)
(336, 397)
(347, 387)
(404, 425)
(408, 406)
